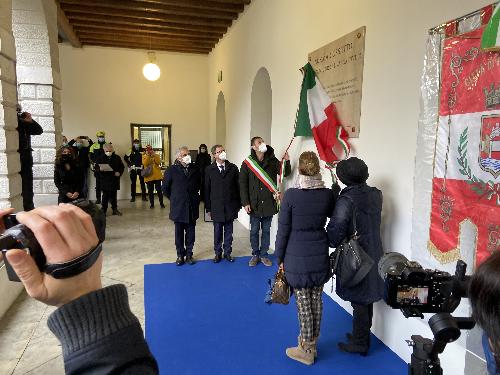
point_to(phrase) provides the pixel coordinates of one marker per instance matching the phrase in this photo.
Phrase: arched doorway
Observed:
(220, 120)
(261, 106)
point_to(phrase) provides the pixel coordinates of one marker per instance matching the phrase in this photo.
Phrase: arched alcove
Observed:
(261, 106)
(220, 120)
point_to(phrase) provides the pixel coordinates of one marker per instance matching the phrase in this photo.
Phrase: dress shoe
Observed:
(352, 348)
(132, 199)
(217, 258)
(117, 213)
(152, 206)
(229, 258)
(179, 261)
(266, 261)
(162, 205)
(97, 201)
(190, 260)
(254, 260)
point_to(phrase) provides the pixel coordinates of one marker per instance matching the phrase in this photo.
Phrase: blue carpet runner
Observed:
(211, 319)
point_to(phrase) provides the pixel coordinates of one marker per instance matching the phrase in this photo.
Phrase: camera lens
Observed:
(391, 263)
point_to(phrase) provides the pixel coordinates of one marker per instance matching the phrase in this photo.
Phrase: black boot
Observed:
(190, 260)
(179, 261)
(116, 212)
(353, 348)
(132, 199)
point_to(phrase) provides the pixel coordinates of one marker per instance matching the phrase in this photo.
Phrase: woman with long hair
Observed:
(67, 175)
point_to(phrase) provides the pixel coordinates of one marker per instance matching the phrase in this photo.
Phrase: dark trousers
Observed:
(109, 196)
(184, 238)
(85, 187)
(98, 190)
(361, 323)
(152, 185)
(27, 180)
(133, 186)
(256, 224)
(223, 237)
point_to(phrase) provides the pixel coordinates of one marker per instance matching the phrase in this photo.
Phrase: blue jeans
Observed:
(256, 224)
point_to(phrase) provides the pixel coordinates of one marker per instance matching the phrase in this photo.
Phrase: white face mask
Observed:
(223, 155)
(186, 159)
(109, 153)
(262, 147)
(100, 139)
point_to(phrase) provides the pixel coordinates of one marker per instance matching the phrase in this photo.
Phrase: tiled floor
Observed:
(141, 236)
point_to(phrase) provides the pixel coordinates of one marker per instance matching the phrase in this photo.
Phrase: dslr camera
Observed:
(415, 291)
(18, 236)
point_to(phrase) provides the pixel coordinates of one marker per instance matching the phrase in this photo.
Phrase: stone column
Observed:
(10, 180)
(34, 25)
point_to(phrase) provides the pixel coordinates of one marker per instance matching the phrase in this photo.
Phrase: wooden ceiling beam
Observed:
(128, 21)
(72, 10)
(158, 8)
(84, 25)
(66, 28)
(198, 4)
(143, 47)
(147, 41)
(132, 33)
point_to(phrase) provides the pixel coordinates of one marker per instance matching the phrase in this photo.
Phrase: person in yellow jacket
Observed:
(152, 175)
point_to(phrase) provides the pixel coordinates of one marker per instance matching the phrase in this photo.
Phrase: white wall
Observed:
(278, 35)
(104, 89)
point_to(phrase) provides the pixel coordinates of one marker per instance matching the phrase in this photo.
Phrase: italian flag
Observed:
(491, 37)
(317, 116)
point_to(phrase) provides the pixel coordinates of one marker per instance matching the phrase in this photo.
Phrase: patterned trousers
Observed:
(310, 306)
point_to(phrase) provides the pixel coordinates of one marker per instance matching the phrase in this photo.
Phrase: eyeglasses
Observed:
(218, 152)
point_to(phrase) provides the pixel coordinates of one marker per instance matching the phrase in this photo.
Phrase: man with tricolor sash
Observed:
(260, 195)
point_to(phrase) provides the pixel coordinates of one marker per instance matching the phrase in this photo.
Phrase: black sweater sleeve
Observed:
(100, 335)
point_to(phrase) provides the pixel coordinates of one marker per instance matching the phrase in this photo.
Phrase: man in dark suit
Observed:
(222, 201)
(181, 185)
(110, 177)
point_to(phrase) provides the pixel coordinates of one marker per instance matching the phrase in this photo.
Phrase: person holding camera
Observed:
(222, 201)
(97, 331)
(152, 175)
(181, 185)
(359, 199)
(484, 295)
(26, 127)
(110, 168)
(134, 162)
(81, 147)
(302, 250)
(67, 175)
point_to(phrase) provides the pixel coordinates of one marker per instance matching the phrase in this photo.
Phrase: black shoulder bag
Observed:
(349, 262)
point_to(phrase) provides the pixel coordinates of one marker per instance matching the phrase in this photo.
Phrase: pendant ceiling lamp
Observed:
(151, 71)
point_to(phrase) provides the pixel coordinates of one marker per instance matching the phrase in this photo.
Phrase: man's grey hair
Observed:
(214, 148)
(178, 152)
(108, 146)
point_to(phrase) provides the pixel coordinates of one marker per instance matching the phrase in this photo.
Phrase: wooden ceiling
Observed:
(191, 26)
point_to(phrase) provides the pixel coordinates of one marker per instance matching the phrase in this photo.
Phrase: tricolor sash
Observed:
(261, 174)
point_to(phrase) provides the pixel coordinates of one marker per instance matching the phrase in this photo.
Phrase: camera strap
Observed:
(75, 266)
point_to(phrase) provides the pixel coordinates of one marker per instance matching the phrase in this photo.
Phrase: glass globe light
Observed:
(151, 71)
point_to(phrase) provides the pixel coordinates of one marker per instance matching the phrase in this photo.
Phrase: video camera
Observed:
(415, 290)
(18, 236)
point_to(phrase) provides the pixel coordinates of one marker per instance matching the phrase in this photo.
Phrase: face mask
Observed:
(203, 150)
(262, 147)
(136, 146)
(65, 144)
(79, 145)
(186, 159)
(223, 155)
(490, 358)
(101, 139)
(66, 157)
(109, 153)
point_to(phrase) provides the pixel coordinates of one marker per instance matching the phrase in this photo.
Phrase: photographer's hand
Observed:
(64, 232)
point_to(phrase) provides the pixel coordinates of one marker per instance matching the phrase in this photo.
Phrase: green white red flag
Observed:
(317, 116)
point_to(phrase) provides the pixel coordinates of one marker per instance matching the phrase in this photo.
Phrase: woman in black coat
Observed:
(302, 250)
(203, 160)
(67, 176)
(367, 201)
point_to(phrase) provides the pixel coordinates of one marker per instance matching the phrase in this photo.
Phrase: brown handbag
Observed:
(281, 289)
